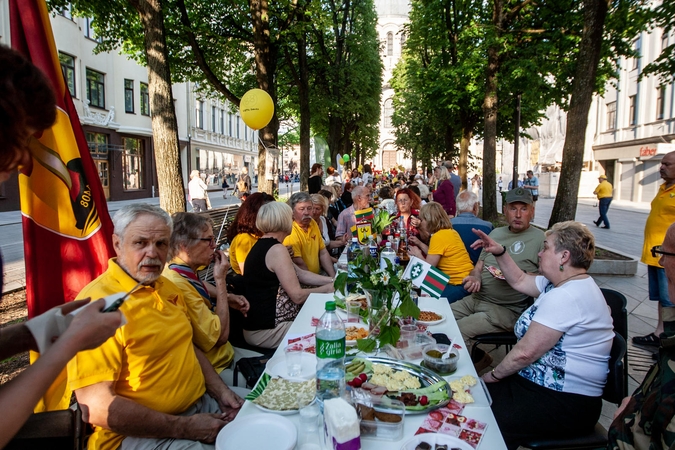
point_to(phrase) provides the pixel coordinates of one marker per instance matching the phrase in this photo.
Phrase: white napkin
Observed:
(53, 323)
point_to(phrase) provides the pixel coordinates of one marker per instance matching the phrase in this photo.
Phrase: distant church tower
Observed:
(391, 16)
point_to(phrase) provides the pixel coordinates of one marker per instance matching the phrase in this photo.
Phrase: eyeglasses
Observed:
(656, 250)
(211, 240)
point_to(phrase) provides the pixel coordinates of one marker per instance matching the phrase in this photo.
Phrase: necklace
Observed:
(569, 278)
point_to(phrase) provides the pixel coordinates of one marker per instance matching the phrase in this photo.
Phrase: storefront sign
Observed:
(647, 151)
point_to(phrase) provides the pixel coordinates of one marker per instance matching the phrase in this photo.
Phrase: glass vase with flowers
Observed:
(388, 295)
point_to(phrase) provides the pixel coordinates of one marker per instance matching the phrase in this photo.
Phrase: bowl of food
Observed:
(433, 359)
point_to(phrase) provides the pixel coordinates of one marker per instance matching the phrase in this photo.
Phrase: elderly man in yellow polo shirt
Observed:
(148, 386)
(309, 251)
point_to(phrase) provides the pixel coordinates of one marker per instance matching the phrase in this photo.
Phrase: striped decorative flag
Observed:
(426, 277)
(364, 214)
(66, 227)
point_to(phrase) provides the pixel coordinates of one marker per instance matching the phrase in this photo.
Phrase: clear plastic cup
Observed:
(293, 360)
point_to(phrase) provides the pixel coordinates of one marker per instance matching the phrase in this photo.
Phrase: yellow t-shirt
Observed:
(205, 323)
(455, 261)
(239, 248)
(661, 216)
(604, 189)
(150, 360)
(307, 245)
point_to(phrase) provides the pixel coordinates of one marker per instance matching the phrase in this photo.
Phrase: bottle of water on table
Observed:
(330, 355)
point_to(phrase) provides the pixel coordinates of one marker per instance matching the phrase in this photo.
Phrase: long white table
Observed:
(314, 307)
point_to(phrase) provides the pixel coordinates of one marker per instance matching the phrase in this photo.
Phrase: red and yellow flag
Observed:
(66, 226)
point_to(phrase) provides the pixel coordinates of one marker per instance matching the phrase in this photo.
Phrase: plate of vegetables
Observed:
(420, 389)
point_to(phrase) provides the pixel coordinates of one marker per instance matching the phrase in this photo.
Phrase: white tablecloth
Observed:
(314, 307)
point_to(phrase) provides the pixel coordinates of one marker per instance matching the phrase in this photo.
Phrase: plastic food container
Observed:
(387, 423)
(439, 365)
(414, 349)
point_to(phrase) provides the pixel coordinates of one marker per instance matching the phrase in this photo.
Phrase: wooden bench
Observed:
(222, 218)
(54, 430)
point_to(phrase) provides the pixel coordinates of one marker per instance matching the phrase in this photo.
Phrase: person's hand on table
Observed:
(414, 240)
(204, 427)
(415, 221)
(221, 264)
(239, 303)
(471, 283)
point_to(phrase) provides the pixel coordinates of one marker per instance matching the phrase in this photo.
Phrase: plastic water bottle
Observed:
(387, 253)
(353, 250)
(372, 248)
(330, 355)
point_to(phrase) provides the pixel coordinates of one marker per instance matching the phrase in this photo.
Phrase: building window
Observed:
(388, 111)
(66, 11)
(632, 110)
(200, 114)
(664, 40)
(98, 145)
(402, 39)
(229, 124)
(245, 133)
(213, 119)
(145, 99)
(636, 49)
(98, 148)
(132, 164)
(129, 96)
(390, 44)
(96, 88)
(68, 69)
(89, 30)
(611, 115)
(238, 127)
(660, 101)
(222, 121)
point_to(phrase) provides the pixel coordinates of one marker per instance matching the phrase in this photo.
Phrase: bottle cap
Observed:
(330, 305)
(388, 244)
(354, 239)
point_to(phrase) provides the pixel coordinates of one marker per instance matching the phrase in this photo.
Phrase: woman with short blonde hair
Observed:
(272, 281)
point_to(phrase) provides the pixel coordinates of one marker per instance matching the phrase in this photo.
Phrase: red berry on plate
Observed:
(424, 400)
(357, 382)
(363, 377)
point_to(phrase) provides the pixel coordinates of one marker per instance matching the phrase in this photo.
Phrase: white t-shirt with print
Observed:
(578, 363)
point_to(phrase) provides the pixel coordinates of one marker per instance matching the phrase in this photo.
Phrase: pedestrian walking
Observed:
(500, 184)
(198, 192)
(243, 185)
(604, 194)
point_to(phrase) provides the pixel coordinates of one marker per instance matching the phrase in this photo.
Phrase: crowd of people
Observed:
(123, 366)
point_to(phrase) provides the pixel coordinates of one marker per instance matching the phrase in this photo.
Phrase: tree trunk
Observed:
(565, 205)
(164, 123)
(265, 65)
(467, 134)
(305, 115)
(490, 135)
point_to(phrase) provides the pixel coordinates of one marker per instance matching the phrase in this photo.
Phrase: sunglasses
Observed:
(656, 250)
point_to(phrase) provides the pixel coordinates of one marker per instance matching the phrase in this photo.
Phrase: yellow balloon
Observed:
(256, 108)
(341, 161)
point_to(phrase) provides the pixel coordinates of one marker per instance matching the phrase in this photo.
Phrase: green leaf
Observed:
(409, 309)
(389, 335)
(366, 345)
